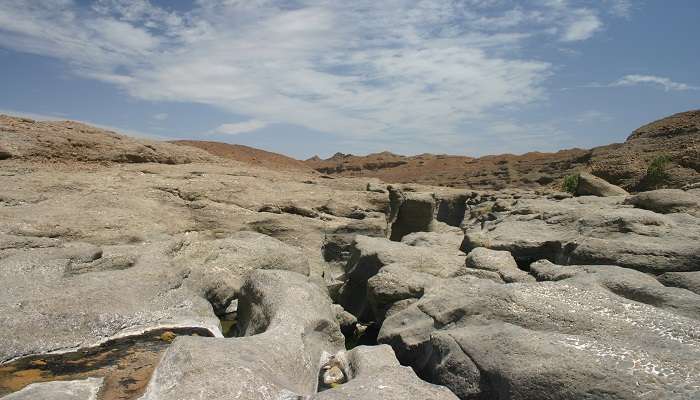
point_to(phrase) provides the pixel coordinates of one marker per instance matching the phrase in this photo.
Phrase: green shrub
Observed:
(570, 183)
(656, 171)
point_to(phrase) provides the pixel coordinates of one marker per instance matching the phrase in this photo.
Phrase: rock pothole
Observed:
(125, 364)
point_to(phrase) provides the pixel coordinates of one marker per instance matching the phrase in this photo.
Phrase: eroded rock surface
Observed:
(591, 230)
(59, 390)
(374, 373)
(591, 185)
(107, 241)
(484, 340)
(286, 324)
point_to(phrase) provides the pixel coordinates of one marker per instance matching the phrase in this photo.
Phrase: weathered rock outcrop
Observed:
(26, 139)
(409, 212)
(591, 230)
(666, 201)
(286, 323)
(685, 280)
(572, 338)
(591, 185)
(59, 390)
(107, 266)
(501, 262)
(374, 373)
(369, 255)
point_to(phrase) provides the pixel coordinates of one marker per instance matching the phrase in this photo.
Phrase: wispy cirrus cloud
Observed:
(239, 127)
(362, 69)
(651, 80)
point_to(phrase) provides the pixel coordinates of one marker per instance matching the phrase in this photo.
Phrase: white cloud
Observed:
(160, 116)
(581, 26)
(651, 80)
(239, 127)
(363, 69)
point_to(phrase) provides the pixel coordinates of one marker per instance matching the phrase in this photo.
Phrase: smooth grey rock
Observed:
(218, 267)
(685, 280)
(374, 373)
(75, 295)
(501, 262)
(591, 185)
(667, 201)
(41, 293)
(624, 282)
(487, 340)
(59, 390)
(286, 325)
(369, 255)
(592, 230)
(393, 283)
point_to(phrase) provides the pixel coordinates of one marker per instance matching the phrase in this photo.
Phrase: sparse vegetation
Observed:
(656, 171)
(570, 183)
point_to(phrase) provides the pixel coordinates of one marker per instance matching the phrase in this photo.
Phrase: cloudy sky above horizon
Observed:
(306, 77)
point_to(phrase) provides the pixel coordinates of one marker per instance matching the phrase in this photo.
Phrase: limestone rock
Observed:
(285, 325)
(374, 373)
(591, 185)
(409, 212)
(369, 255)
(592, 230)
(485, 340)
(501, 262)
(667, 201)
(685, 280)
(59, 390)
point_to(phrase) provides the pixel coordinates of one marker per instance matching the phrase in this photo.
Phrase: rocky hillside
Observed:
(624, 164)
(138, 270)
(248, 155)
(26, 139)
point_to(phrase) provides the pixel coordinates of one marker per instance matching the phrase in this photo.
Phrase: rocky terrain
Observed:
(248, 155)
(132, 269)
(624, 164)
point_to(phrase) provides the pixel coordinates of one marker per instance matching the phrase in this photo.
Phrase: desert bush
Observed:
(656, 171)
(570, 183)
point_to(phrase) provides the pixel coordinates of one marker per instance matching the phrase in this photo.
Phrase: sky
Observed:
(315, 77)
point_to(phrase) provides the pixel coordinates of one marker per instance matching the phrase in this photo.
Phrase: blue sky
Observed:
(306, 77)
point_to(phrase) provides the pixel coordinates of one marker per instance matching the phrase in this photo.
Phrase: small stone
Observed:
(168, 336)
(333, 376)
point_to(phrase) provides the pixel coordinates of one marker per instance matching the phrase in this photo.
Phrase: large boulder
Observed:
(627, 283)
(501, 262)
(667, 201)
(591, 230)
(591, 185)
(566, 339)
(369, 255)
(685, 280)
(286, 326)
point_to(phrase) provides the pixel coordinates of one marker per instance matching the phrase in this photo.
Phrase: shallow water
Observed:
(126, 364)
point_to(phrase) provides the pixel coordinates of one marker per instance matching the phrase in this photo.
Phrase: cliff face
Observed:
(624, 164)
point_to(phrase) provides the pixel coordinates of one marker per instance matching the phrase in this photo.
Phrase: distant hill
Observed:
(624, 164)
(247, 155)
